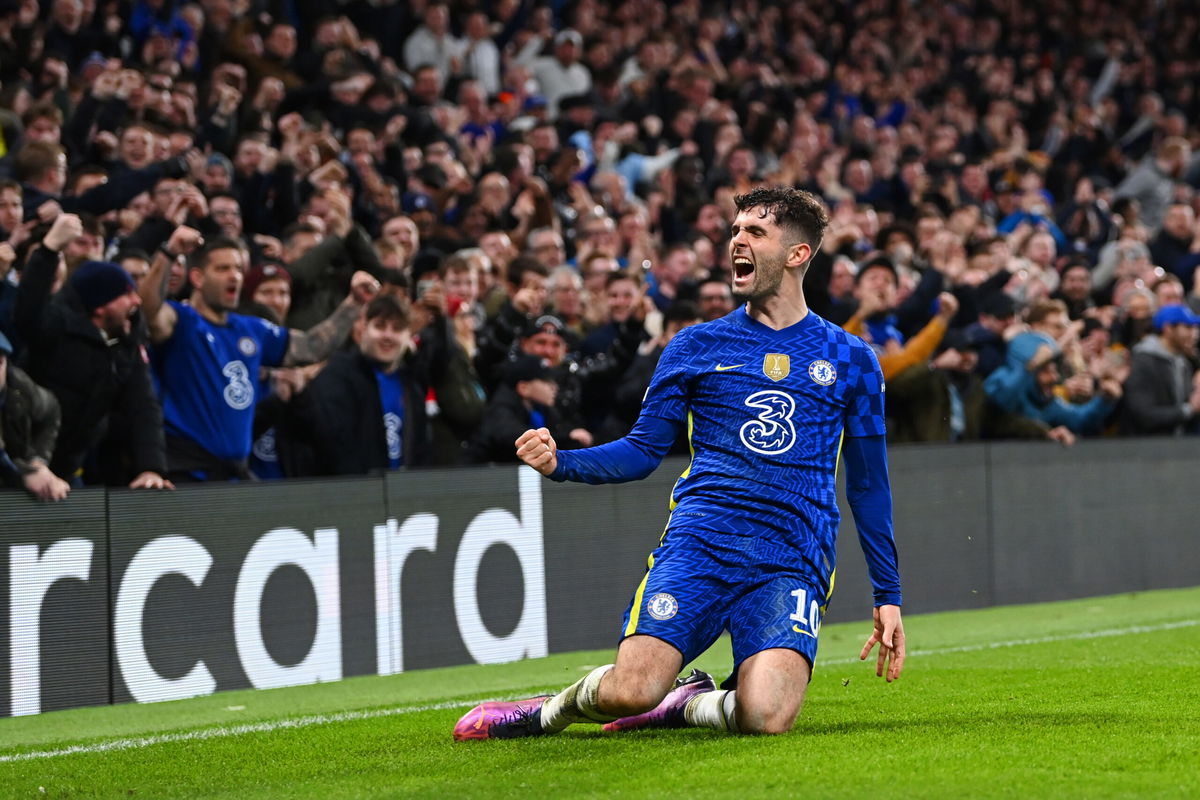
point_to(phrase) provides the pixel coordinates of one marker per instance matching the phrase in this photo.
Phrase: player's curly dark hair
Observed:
(798, 212)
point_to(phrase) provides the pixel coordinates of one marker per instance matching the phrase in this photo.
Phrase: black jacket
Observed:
(95, 382)
(341, 417)
(28, 425)
(504, 419)
(585, 383)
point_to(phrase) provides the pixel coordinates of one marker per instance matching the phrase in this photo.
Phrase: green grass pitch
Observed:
(1095, 698)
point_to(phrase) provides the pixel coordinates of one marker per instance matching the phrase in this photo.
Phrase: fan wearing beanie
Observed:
(108, 294)
(86, 344)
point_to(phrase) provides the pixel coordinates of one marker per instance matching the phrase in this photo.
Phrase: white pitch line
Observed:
(350, 716)
(231, 730)
(1066, 637)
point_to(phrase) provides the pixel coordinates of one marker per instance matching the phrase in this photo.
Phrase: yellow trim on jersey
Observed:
(837, 463)
(829, 594)
(687, 470)
(635, 609)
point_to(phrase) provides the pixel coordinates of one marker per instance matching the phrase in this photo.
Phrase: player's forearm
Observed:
(629, 458)
(870, 497)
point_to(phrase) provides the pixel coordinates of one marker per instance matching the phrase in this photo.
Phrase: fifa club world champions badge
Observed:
(776, 366)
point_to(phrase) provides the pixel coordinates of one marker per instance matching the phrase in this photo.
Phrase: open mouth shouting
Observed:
(743, 272)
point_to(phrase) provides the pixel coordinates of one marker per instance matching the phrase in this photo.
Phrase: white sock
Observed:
(576, 703)
(713, 710)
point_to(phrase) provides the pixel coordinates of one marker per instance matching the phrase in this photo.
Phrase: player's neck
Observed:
(778, 311)
(216, 316)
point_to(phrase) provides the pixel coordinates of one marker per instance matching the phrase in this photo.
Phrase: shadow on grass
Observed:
(955, 722)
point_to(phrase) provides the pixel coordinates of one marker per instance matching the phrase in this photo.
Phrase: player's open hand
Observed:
(889, 635)
(538, 449)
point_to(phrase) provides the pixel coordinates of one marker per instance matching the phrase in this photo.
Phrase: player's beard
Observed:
(768, 277)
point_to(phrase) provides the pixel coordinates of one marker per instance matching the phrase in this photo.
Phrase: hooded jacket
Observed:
(1014, 389)
(1156, 394)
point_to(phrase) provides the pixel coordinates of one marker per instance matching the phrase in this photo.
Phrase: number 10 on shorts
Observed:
(808, 624)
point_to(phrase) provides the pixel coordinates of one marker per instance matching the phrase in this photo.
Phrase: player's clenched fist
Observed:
(538, 450)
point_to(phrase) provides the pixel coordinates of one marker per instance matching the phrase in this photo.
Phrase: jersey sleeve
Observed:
(870, 495)
(636, 455)
(669, 392)
(630, 458)
(274, 340)
(864, 411)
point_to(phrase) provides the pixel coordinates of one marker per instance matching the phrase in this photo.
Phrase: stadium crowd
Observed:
(265, 238)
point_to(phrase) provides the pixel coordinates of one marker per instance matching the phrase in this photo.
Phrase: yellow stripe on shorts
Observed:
(635, 610)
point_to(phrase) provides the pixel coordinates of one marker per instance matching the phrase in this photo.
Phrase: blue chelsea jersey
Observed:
(207, 376)
(766, 411)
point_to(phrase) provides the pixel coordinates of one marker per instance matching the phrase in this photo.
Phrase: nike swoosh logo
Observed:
(796, 628)
(723, 368)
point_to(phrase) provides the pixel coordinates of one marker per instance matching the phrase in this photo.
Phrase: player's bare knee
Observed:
(767, 721)
(627, 697)
(641, 698)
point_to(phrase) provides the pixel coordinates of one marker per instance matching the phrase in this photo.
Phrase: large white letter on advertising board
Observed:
(318, 559)
(166, 555)
(393, 545)
(496, 526)
(30, 578)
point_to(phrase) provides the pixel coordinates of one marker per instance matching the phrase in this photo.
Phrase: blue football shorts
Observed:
(699, 583)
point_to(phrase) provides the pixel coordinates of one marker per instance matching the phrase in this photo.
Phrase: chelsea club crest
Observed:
(822, 372)
(662, 606)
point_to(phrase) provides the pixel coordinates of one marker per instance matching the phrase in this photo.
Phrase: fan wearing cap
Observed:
(86, 345)
(525, 398)
(1162, 395)
(546, 338)
(28, 425)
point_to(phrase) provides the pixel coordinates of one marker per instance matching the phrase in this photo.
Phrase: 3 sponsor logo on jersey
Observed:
(662, 606)
(773, 430)
(239, 392)
(822, 372)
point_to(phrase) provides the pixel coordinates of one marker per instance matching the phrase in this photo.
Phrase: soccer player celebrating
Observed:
(770, 395)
